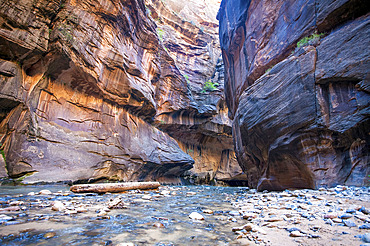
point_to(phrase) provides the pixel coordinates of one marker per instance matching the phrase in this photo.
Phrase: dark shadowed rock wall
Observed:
(300, 114)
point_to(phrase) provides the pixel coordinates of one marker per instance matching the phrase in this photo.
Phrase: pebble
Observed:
(365, 226)
(4, 217)
(81, 210)
(45, 192)
(364, 210)
(102, 213)
(49, 235)
(165, 193)
(349, 223)
(234, 213)
(158, 225)
(118, 203)
(16, 203)
(345, 216)
(361, 217)
(58, 206)
(329, 221)
(146, 197)
(249, 216)
(296, 234)
(249, 227)
(190, 193)
(366, 237)
(336, 220)
(207, 211)
(70, 212)
(196, 216)
(330, 215)
(273, 219)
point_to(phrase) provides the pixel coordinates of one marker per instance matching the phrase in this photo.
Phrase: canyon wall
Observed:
(90, 90)
(297, 88)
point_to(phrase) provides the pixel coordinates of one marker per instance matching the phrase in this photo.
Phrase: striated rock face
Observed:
(89, 90)
(300, 114)
(77, 93)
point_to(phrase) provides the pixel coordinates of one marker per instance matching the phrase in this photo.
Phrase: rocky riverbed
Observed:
(184, 215)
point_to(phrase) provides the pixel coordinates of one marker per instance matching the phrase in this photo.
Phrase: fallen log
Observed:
(114, 187)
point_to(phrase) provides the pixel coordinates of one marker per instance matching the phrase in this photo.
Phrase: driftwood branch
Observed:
(114, 187)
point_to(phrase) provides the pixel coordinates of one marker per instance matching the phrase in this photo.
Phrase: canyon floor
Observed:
(184, 215)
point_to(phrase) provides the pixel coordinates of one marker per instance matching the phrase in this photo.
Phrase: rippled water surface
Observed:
(157, 217)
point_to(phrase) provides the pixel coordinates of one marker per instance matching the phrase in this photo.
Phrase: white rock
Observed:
(16, 203)
(4, 217)
(165, 193)
(81, 210)
(58, 206)
(45, 192)
(116, 203)
(146, 197)
(296, 234)
(31, 193)
(102, 213)
(249, 216)
(69, 212)
(196, 216)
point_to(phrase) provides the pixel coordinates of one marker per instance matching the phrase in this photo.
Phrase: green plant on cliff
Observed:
(66, 31)
(160, 33)
(209, 86)
(304, 41)
(186, 78)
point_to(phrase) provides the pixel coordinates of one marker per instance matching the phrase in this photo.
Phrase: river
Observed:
(156, 217)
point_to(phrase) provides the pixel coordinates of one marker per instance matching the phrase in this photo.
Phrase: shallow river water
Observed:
(156, 217)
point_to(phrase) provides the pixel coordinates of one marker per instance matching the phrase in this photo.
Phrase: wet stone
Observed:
(49, 235)
(349, 223)
(366, 237)
(345, 216)
(365, 226)
(364, 210)
(234, 213)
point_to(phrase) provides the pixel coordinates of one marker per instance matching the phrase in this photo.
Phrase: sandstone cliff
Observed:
(297, 87)
(92, 90)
